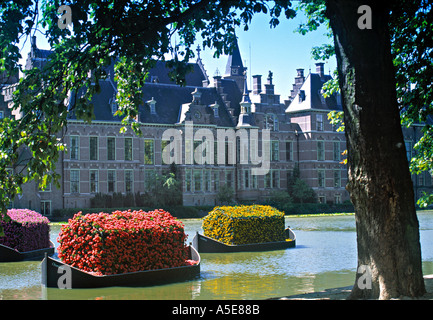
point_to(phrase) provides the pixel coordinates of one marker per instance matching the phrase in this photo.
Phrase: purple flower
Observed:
(27, 230)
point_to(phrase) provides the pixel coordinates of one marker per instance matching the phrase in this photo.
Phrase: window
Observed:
(215, 152)
(75, 181)
(337, 178)
(321, 178)
(319, 122)
(272, 179)
(207, 180)
(320, 150)
(289, 154)
(114, 105)
(275, 179)
(129, 181)
(1, 115)
(46, 207)
(216, 180)
(337, 152)
(271, 122)
(47, 188)
(421, 179)
(111, 178)
(322, 199)
(128, 149)
(267, 180)
(301, 95)
(247, 179)
(229, 179)
(197, 180)
(188, 180)
(149, 156)
(230, 156)
(199, 149)
(188, 152)
(428, 179)
(275, 150)
(254, 183)
(111, 148)
(337, 198)
(93, 148)
(149, 178)
(165, 143)
(408, 146)
(94, 181)
(74, 147)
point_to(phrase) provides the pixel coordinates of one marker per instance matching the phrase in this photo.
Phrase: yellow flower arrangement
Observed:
(244, 224)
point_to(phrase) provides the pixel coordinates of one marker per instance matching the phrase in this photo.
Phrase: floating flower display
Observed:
(26, 230)
(123, 241)
(237, 225)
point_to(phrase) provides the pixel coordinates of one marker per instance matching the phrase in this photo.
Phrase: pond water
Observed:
(325, 257)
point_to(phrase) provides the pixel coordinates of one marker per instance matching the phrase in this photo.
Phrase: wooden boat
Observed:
(56, 274)
(205, 244)
(8, 254)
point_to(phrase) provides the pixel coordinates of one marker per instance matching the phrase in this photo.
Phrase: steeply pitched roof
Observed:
(169, 98)
(234, 60)
(310, 96)
(159, 74)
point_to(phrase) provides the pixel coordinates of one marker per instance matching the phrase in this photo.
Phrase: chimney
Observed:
(299, 79)
(269, 87)
(217, 80)
(257, 84)
(320, 69)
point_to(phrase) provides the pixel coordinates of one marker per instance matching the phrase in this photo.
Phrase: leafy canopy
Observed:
(411, 26)
(132, 33)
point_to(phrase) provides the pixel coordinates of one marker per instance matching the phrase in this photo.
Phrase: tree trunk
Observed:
(380, 184)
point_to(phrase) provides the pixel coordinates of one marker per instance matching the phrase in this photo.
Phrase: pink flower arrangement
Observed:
(27, 230)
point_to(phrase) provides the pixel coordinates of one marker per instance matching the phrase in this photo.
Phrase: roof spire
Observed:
(234, 62)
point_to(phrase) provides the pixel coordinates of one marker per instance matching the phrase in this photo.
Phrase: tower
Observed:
(235, 69)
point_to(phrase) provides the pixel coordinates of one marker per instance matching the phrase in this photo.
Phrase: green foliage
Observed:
(177, 211)
(164, 190)
(336, 118)
(412, 49)
(136, 33)
(225, 195)
(302, 192)
(411, 26)
(298, 190)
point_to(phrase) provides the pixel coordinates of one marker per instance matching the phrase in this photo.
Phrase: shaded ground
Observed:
(344, 292)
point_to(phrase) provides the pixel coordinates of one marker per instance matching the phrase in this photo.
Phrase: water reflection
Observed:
(325, 257)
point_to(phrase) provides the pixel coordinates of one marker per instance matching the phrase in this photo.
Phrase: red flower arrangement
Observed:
(124, 241)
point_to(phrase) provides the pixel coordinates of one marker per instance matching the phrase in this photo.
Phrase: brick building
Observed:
(101, 159)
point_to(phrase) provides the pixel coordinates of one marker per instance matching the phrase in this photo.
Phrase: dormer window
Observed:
(301, 95)
(215, 109)
(152, 104)
(114, 106)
